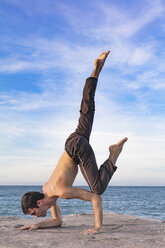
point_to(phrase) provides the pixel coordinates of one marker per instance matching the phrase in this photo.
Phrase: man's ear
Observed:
(39, 203)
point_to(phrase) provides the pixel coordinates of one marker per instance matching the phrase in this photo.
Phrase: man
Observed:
(77, 152)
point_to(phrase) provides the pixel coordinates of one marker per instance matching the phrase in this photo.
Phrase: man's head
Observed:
(32, 203)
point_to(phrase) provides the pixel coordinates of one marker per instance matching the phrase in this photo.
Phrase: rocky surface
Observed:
(121, 231)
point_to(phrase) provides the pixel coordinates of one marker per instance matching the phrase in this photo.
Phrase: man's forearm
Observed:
(49, 223)
(45, 224)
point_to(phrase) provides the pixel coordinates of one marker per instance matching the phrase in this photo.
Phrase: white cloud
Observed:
(38, 142)
(116, 31)
(34, 130)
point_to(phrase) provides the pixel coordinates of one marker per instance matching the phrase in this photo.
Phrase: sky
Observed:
(47, 50)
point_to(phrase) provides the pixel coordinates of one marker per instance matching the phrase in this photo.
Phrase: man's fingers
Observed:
(90, 231)
(29, 228)
(23, 228)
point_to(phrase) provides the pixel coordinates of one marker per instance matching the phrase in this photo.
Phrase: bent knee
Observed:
(98, 191)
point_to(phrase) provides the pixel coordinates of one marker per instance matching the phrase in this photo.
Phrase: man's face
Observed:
(37, 212)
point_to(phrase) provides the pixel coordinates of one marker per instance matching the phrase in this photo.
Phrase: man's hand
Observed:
(29, 228)
(45, 224)
(90, 231)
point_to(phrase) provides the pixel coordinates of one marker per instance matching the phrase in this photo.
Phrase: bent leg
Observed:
(97, 179)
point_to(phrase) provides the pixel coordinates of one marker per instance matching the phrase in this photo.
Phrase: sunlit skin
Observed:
(61, 181)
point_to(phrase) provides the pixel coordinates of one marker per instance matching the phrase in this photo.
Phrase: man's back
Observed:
(63, 176)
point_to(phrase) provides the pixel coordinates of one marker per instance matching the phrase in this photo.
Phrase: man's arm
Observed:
(82, 194)
(56, 220)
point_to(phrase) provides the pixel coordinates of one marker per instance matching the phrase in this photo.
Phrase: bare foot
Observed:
(99, 64)
(115, 150)
(101, 59)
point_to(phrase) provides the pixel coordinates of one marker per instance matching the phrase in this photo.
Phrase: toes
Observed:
(121, 142)
(106, 53)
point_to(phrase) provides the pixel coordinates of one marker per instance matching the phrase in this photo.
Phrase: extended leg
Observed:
(88, 105)
(85, 122)
(86, 111)
(97, 179)
(77, 145)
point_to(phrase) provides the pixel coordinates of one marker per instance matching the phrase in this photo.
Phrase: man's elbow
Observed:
(59, 223)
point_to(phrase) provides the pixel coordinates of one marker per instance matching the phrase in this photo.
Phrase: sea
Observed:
(138, 201)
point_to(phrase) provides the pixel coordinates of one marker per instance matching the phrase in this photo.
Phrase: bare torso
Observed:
(62, 177)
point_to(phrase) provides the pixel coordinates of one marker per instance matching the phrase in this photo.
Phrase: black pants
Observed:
(78, 148)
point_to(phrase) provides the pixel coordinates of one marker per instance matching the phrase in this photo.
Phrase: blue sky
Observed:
(47, 49)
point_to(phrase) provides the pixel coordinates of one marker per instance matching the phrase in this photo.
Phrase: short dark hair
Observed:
(29, 200)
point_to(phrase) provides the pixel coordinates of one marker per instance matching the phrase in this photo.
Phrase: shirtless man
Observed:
(77, 152)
